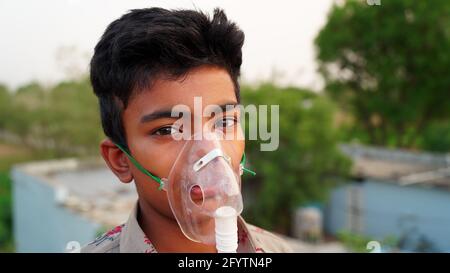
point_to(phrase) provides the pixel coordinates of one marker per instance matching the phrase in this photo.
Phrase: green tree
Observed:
(26, 107)
(388, 66)
(5, 105)
(74, 118)
(5, 213)
(305, 165)
(62, 120)
(437, 137)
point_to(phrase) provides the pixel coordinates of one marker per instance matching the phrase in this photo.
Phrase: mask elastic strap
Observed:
(159, 180)
(243, 164)
(141, 168)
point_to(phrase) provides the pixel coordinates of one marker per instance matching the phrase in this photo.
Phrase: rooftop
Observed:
(87, 187)
(401, 166)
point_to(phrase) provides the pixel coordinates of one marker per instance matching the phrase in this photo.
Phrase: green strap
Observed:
(141, 168)
(249, 171)
(159, 180)
(244, 159)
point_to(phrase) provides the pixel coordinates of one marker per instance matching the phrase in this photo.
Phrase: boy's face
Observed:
(149, 128)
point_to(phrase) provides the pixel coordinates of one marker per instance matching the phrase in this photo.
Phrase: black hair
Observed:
(145, 44)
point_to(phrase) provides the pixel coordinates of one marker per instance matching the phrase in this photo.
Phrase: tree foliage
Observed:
(63, 119)
(388, 66)
(307, 162)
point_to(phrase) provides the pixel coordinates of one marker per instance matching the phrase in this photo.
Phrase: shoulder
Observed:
(108, 242)
(266, 241)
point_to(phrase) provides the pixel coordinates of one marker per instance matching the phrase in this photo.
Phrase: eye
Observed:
(226, 122)
(167, 130)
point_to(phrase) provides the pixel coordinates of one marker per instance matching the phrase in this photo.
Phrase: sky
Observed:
(48, 40)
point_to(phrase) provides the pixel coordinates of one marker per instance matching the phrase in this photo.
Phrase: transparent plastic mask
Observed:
(202, 181)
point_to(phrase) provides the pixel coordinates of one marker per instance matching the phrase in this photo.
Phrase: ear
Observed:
(116, 160)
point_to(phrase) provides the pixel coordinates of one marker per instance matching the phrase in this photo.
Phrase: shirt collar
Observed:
(133, 239)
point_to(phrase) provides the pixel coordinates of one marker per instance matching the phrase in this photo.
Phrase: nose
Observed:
(207, 141)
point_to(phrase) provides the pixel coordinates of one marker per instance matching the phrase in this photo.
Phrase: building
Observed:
(61, 202)
(401, 194)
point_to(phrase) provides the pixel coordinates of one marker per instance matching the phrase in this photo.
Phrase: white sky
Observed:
(34, 34)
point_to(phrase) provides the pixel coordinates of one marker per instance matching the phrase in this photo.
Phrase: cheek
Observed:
(147, 189)
(157, 156)
(239, 147)
(240, 142)
(157, 159)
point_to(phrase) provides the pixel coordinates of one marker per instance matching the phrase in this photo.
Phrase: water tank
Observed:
(308, 223)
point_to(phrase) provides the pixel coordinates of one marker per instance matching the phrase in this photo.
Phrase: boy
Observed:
(147, 62)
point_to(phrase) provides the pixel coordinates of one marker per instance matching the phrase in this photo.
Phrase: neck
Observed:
(165, 234)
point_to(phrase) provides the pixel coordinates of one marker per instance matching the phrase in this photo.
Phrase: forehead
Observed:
(213, 85)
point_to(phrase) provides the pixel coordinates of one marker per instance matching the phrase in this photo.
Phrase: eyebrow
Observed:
(157, 115)
(165, 113)
(222, 107)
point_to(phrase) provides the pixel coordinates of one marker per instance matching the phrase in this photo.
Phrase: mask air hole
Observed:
(197, 196)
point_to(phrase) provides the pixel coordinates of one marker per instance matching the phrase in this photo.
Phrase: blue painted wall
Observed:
(40, 223)
(391, 209)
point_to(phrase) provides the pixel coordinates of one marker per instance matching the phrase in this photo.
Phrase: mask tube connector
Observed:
(226, 230)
